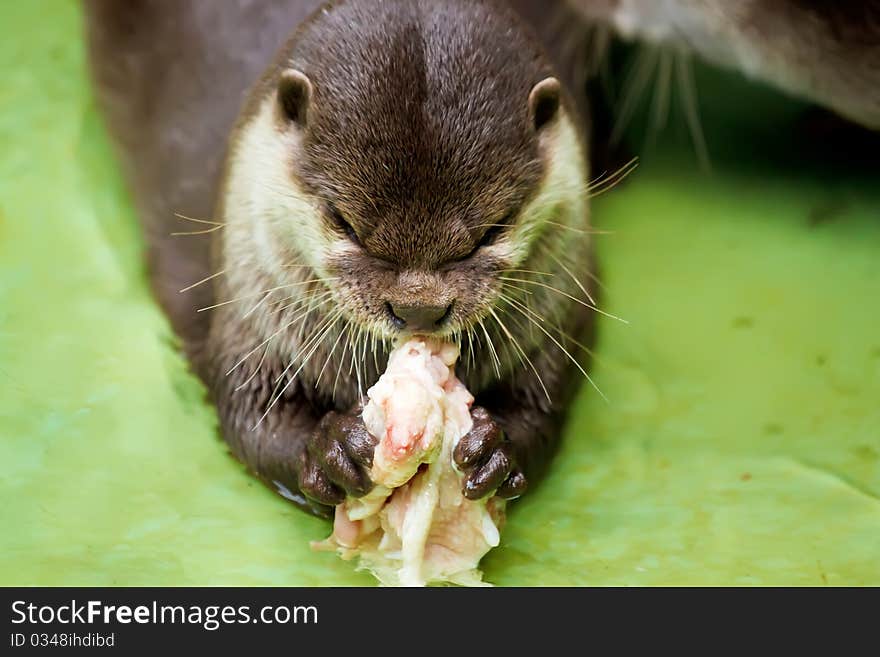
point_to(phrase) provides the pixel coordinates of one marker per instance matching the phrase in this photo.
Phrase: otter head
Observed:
(408, 153)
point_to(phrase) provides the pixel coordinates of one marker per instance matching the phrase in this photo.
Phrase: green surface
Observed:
(741, 443)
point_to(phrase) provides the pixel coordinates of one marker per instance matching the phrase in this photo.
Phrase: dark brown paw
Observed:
(338, 459)
(486, 458)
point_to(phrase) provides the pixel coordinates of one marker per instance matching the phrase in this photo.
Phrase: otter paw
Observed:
(486, 458)
(338, 458)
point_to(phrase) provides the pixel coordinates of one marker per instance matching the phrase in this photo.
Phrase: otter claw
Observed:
(341, 449)
(485, 456)
(514, 486)
(314, 483)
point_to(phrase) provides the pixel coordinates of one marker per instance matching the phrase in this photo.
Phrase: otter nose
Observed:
(419, 317)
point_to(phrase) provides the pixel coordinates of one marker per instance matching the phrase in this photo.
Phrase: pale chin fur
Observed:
(265, 217)
(563, 195)
(264, 210)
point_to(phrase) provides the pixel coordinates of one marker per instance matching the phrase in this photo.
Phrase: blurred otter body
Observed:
(827, 51)
(400, 166)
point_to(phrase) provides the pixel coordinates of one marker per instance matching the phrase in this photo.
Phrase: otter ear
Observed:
(294, 96)
(544, 101)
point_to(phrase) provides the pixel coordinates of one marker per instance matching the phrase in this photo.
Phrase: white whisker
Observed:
(565, 294)
(204, 280)
(522, 354)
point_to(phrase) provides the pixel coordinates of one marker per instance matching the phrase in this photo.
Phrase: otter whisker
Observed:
(299, 301)
(691, 108)
(589, 274)
(522, 354)
(568, 355)
(271, 289)
(594, 182)
(458, 337)
(375, 353)
(596, 280)
(314, 302)
(355, 359)
(579, 231)
(279, 305)
(253, 351)
(317, 342)
(254, 373)
(600, 40)
(313, 299)
(477, 342)
(204, 280)
(660, 102)
(530, 327)
(195, 232)
(635, 84)
(612, 180)
(530, 323)
(565, 294)
(217, 225)
(357, 368)
(257, 305)
(537, 318)
(574, 278)
(351, 360)
(210, 222)
(361, 335)
(331, 352)
(530, 271)
(495, 360)
(298, 317)
(313, 339)
(345, 348)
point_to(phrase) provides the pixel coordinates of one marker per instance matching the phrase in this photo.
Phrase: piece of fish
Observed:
(415, 527)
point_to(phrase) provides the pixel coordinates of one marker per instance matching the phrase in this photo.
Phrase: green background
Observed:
(740, 445)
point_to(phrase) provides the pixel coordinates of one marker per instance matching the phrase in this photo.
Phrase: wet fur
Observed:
(171, 139)
(172, 77)
(428, 171)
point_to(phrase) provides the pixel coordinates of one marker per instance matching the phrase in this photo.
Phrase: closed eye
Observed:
(342, 225)
(493, 231)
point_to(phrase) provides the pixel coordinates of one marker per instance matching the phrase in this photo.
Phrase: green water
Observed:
(740, 443)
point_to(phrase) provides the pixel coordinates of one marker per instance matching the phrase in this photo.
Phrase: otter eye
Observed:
(490, 235)
(342, 224)
(493, 232)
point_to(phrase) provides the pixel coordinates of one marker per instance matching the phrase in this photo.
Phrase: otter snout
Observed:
(421, 318)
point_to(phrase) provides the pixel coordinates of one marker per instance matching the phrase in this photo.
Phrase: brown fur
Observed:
(419, 131)
(827, 51)
(170, 78)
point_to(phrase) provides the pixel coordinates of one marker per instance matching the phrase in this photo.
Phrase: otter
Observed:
(826, 51)
(397, 167)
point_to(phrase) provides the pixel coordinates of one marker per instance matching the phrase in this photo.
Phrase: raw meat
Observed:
(415, 527)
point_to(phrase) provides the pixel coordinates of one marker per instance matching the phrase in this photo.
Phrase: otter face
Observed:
(409, 160)
(420, 216)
